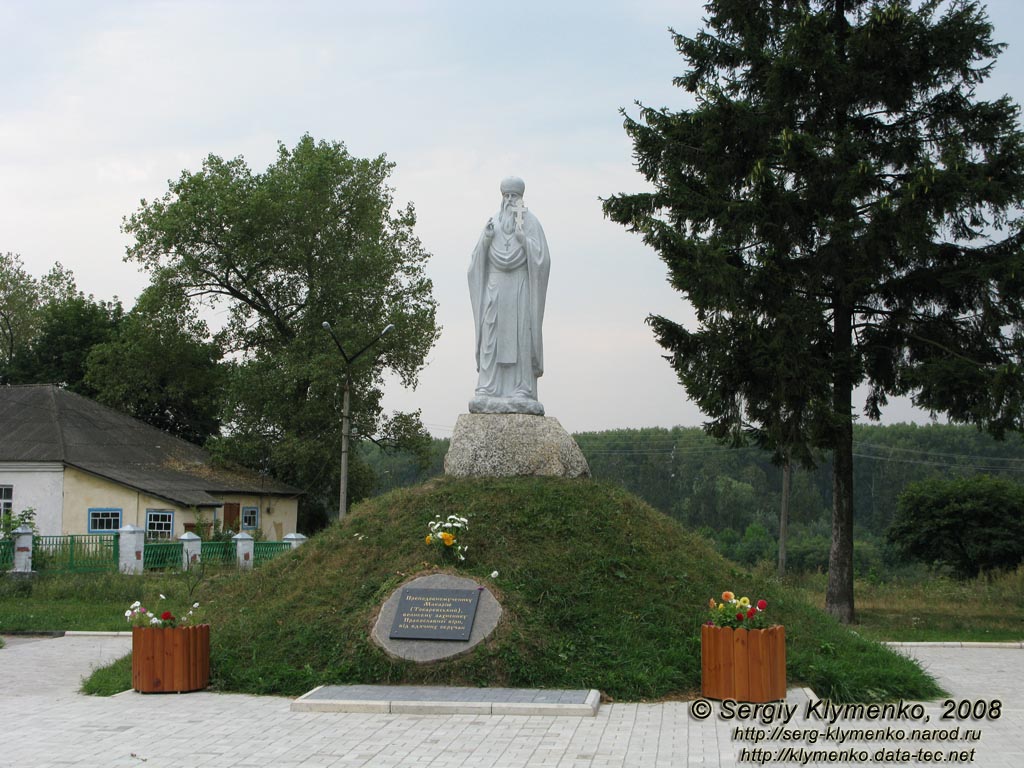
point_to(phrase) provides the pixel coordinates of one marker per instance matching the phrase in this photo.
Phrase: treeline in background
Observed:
(733, 496)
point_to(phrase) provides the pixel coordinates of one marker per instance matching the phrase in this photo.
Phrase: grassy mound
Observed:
(598, 589)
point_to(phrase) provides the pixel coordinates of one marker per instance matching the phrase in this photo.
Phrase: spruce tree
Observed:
(840, 208)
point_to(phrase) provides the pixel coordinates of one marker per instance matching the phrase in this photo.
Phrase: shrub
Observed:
(756, 544)
(967, 524)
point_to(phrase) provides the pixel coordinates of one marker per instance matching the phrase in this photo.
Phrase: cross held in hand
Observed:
(519, 211)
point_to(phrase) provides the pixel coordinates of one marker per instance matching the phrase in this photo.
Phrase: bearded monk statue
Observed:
(508, 282)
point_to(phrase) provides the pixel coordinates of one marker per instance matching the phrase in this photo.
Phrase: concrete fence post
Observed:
(22, 536)
(244, 550)
(131, 549)
(295, 539)
(191, 550)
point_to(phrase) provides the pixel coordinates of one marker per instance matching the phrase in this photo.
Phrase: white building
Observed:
(86, 468)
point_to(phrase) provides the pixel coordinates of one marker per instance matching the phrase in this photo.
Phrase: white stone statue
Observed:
(508, 282)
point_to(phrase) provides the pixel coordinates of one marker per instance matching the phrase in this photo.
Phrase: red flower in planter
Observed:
(138, 616)
(737, 612)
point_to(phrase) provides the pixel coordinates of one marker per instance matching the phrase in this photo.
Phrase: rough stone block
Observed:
(513, 445)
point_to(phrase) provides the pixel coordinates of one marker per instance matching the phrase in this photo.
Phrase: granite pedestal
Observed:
(513, 445)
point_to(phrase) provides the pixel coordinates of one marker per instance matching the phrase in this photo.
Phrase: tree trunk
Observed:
(839, 597)
(839, 594)
(787, 475)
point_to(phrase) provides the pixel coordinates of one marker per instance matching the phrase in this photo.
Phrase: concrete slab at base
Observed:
(360, 707)
(440, 708)
(587, 709)
(448, 700)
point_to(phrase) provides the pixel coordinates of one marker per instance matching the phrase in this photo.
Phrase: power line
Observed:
(945, 464)
(972, 462)
(879, 446)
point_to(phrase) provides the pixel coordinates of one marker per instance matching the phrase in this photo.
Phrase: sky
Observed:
(101, 103)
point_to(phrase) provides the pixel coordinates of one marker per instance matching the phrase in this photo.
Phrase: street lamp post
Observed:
(346, 415)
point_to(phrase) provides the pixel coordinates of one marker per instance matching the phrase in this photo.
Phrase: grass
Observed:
(933, 609)
(111, 679)
(96, 602)
(85, 601)
(598, 591)
(56, 602)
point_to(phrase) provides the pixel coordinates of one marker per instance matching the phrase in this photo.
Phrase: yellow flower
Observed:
(447, 538)
(727, 596)
(430, 539)
(745, 602)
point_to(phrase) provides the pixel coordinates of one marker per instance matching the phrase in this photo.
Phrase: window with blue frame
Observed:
(250, 517)
(104, 519)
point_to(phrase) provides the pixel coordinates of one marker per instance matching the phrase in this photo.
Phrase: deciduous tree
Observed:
(22, 300)
(968, 524)
(68, 328)
(19, 299)
(162, 367)
(317, 236)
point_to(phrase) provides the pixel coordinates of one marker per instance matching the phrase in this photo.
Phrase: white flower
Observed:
(494, 574)
(128, 615)
(195, 605)
(154, 620)
(135, 605)
(162, 597)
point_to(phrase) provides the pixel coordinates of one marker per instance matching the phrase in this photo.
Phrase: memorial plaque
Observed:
(435, 614)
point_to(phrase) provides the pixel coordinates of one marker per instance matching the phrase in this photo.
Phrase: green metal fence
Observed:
(98, 552)
(161, 554)
(79, 554)
(264, 551)
(6, 554)
(217, 553)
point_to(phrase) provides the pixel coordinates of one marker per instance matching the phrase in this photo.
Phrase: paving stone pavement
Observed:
(47, 723)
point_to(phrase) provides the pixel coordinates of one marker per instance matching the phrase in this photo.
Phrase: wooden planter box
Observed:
(745, 665)
(170, 659)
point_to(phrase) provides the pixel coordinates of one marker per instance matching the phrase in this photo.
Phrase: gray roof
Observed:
(44, 423)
